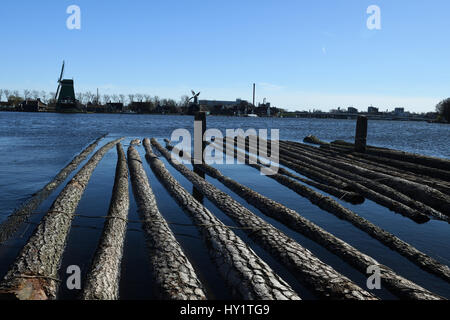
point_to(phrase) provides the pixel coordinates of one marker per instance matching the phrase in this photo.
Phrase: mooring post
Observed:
(199, 148)
(200, 116)
(361, 134)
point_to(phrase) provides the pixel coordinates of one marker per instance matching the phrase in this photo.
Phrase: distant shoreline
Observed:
(287, 116)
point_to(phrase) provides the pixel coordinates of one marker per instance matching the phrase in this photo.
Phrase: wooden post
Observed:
(200, 116)
(361, 134)
(199, 147)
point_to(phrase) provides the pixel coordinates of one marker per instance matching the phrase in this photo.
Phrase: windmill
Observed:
(193, 107)
(65, 94)
(194, 96)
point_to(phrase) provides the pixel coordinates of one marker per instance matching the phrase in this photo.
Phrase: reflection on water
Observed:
(34, 147)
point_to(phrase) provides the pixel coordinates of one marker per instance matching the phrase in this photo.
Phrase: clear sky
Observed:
(301, 54)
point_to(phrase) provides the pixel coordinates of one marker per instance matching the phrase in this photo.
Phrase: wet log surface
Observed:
(102, 282)
(34, 273)
(328, 204)
(308, 269)
(246, 273)
(174, 275)
(381, 182)
(20, 215)
(397, 284)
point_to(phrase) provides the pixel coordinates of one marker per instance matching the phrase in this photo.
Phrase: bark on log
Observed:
(34, 274)
(174, 274)
(246, 273)
(21, 214)
(102, 281)
(398, 285)
(399, 189)
(308, 269)
(405, 249)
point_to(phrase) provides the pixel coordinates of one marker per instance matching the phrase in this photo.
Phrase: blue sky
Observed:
(301, 54)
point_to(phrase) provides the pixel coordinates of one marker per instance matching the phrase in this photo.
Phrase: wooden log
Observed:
(246, 273)
(433, 162)
(361, 134)
(414, 195)
(34, 274)
(174, 275)
(314, 140)
(397, 284)
(307, 268)
(405, 249)
(102, 281)
(21, 214)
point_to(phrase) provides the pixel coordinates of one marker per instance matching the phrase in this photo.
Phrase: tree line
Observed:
(88, 97)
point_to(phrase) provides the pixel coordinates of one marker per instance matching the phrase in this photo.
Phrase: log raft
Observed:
(389, 177)
(102, 281)
(246, 274)
(328, 204)
(174, 274)
(21, 214)
(34, 273)
(307, 268)
(439, 180)
(398, 285)
(385, 183)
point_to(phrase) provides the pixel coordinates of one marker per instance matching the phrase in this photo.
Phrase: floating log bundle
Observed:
(247, 274)
(328, 204)
(398, 285)
(20, 215)
(308, 269)
(34, 274)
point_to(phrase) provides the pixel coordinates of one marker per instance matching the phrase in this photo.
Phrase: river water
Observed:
(35, 146)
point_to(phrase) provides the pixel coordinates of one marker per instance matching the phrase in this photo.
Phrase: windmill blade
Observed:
(62, 72)
(193, 92)
(197, 94)
(57, 91)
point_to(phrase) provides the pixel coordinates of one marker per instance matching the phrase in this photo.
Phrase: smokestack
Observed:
(254, 86)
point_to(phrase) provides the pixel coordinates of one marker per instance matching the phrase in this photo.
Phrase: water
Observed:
(34, 147)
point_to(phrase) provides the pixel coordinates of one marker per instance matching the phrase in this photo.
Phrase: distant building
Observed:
(399, 111)
(352, 110)
(372, 110)
(33, 106)
(114, 107)
(219, 103)
(7, 106)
